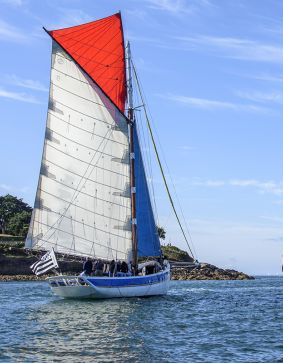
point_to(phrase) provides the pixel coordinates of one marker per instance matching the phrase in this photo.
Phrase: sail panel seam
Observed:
(78, 206)
(78, 127)
(89, 195)
(82, 113)
(85, 162)
(91, 180)
(85, 239)
(92, 133)
(37, 247)
(75, 94)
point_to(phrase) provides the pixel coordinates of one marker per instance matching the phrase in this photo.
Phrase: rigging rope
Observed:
(78, 188)
(159, 162)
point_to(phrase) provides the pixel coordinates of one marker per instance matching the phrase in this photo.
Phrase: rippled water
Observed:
(198, 321)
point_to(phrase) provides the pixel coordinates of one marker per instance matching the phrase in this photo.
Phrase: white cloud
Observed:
(178, 7)
(207, 104)
(268, 77)
(186, 148)
(68, 18)
(236, 48)
(11, 33)
(264, 187)
(208, 183)
(25, 83)
(202, 102)
(244, 183)
(137, 13)
(172, 6)
(273, 97)
(270, 187)
(232, 227)
(23, 97)
(152, 40)
(5, 187)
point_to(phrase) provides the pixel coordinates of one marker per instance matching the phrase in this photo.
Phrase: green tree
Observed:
(14, 215)
(18, 224)
(176, 254)
(161, 232)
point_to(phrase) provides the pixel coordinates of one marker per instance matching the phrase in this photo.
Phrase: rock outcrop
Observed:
(206, 271)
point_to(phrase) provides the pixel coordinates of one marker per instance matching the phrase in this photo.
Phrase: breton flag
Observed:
(46, 262)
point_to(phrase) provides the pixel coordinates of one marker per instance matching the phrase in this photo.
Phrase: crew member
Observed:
(87, 266)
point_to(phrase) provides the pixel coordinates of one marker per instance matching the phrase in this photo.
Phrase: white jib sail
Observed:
(82, 204)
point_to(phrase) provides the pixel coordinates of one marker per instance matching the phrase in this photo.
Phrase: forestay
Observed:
(82, 204)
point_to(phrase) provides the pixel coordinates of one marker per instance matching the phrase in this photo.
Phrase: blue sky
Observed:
(213, 78)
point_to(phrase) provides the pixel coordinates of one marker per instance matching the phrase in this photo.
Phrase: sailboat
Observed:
(92, 199)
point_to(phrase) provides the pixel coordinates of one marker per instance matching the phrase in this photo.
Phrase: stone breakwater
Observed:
(206, 271)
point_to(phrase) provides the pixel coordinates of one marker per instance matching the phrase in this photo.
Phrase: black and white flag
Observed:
(46, 262)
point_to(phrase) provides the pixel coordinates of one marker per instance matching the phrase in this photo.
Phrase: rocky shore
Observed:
(206, 271)
(15, 266)
(8, 278)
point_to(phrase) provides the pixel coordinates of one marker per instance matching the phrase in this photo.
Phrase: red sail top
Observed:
(98, 47)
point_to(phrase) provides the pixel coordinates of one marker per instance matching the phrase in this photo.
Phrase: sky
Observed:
(212, 74)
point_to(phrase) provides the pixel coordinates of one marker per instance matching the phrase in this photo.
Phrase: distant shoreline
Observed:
(203, 273)
(15, 266)
(17, 278)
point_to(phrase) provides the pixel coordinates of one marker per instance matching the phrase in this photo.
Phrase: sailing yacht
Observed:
(92, 198)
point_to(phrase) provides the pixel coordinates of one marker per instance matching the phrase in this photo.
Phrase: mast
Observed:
(132, 158)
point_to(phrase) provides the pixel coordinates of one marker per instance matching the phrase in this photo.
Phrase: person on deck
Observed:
(130, 268)
(87, 267)
(99, 268)
(124, 267)
(124, 270)
(112, 268)
(118, 266)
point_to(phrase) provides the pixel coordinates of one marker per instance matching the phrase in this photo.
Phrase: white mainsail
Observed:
(83, 204)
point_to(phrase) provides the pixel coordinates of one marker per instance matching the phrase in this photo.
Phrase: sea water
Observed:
(198, 321)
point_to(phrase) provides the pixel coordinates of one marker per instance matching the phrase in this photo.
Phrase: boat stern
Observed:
(71, 287)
